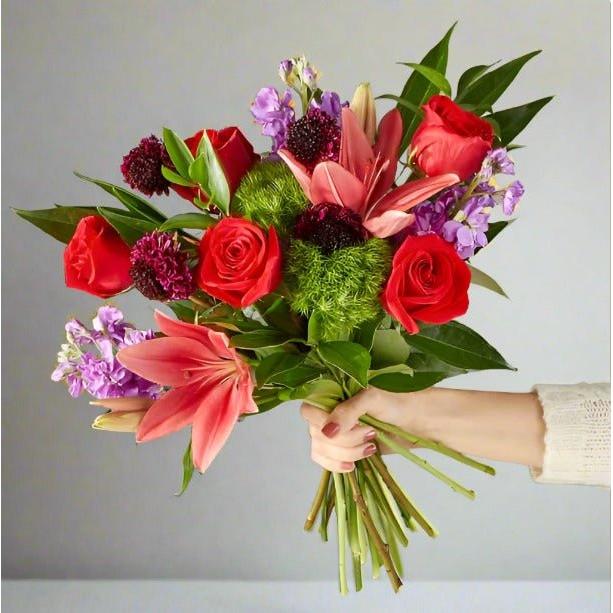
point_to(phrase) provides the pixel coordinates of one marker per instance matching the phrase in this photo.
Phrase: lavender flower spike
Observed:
(512, 197)
(274, 114)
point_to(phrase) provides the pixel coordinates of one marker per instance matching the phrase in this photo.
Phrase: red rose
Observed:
(96, 260)
(429, 282)
(238, 263)
(234, 151)
(450, 139)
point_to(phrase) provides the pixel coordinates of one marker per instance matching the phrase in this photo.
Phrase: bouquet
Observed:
(339, 259)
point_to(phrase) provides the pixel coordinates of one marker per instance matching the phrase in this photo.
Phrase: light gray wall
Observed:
(83, 81)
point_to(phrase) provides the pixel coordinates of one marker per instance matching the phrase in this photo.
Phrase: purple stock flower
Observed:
(330, 103)
(88, 360)
(512, 196)
(274, 114)
(497, 161)
(468, 228)
(430, 216)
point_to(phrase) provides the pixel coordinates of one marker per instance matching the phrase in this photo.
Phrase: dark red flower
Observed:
(142, 167)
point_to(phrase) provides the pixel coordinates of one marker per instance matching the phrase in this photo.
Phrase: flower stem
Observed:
(326, 510)
(382, 548)
(454, 485)
(319, 496)
(341, 522)
(427, 444)
(407, 508)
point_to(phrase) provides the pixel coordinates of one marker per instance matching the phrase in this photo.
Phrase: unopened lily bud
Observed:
(363, 106)
(119, 421)
(287, 72)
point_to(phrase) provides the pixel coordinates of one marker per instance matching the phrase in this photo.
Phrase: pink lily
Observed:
(211, 385)
(362, 178)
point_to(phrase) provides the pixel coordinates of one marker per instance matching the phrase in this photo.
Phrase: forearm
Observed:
(495, 425)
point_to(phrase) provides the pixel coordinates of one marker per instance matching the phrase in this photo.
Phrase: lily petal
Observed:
(410, 194)
(356, 154)
(387, 149)
(214, 421)
(298, 170)
(216, 341)
(169, 360)
(173, 411)
(388, 223)
(333, 183)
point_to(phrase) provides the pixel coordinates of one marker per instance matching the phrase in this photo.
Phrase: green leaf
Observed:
(495, 127)
(389, 347)
(470, 75)
(365, 333)
(393, 368)
(434, 76)
(485, 90)
(276, 312)
(188, 469)
(296, 376)
(173, 177)
(134, 203)
(275, 364)
(188, 220)
(130, 227)
(427, 363)
(402, 383)
(217, 183)
(260, 338)
(178, 151)
(59, 222)
(402, 102)
(314, 328)
(513, 121)
(417, 90)
(513, 146)
(496, 228)
(266, 400)
(323, 393)
(350, 358)
(478, 277)
(183, 309)
(458, 345)
(198, 172)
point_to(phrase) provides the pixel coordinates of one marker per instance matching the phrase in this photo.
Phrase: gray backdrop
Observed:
(83, 81)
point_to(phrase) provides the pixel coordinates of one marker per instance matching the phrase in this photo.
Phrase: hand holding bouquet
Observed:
(336, 261)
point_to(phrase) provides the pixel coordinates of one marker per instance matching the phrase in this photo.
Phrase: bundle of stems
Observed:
(373, 513)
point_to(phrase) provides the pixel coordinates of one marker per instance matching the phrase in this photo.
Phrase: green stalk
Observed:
(427, 444)
(454, 485)
(383, 505)
(326, 510)
(375, 560)
(341, 522)
(393, 546)
(362, 537)
(382, 548)
(319, 496)
(354, 543)
(407, 508)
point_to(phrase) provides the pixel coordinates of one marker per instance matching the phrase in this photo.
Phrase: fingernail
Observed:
(370, 435)
(369, 450)
(330, 429)
(347, 465)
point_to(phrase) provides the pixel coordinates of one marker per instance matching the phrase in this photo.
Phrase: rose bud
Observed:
(429, 282)
(363, 106)
(450, 139)
(235, 154)
(96, 260)
(239, 263)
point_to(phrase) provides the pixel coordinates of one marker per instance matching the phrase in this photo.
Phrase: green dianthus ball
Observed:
(269, 195)
(342, 288)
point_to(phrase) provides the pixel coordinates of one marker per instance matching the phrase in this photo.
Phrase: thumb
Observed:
(345, 416)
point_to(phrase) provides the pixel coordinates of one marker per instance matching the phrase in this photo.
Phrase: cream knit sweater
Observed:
(578, 434)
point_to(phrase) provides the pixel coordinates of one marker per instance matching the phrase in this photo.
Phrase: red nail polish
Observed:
(330, 429)
(370, 450)
(369, 436)
(347, 465)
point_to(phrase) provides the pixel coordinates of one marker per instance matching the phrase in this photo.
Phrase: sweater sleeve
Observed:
(578, 434)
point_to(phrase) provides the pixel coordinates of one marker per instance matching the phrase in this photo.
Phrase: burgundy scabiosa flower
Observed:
(330, 227)
(314, 138)
(160, 270)
(142, 167)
